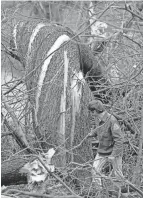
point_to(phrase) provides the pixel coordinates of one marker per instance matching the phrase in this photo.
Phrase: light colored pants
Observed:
(98, 164)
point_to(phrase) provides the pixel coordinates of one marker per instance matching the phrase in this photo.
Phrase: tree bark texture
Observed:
(43, 46)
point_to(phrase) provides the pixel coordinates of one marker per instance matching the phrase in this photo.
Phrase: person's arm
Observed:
(117, 137)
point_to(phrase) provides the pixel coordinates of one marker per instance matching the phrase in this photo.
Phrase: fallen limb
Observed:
(10, 171)
(5, 134)
(130, 185)
(5, 196)
(15, 135)
(41, 195)
(57, 178)
(134, 187)
(18, 132)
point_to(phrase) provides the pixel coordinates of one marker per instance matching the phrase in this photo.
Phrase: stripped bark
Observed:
(62, 119)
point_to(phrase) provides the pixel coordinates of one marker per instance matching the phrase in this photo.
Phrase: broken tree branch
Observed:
(20, 136)
(6, 134)
(41, 195)
(57, 178)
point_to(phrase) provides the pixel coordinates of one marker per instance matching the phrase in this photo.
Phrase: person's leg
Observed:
(98, 164)
(117, 166)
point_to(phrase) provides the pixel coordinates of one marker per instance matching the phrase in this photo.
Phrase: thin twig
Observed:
(10, 90)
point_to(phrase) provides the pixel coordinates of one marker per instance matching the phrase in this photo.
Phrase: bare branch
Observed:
(10, 90)
(40, 195)
(57, 178)
(14, 134)
(133, 13)
(137, 177)
(6, 134)
(18, 132)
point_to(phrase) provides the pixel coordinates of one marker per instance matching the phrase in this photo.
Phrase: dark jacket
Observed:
(110, 136)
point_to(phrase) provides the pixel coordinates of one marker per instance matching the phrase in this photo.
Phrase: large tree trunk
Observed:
(55, 69)
(45, 82)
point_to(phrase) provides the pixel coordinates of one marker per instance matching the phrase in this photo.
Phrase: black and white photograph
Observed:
(72, 99)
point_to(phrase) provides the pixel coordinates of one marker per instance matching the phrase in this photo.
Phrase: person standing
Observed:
(110, 139)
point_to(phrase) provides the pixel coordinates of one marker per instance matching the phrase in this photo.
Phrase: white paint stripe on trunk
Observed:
(76, 89)
(14, 35)
(56, 45)
(34, 33)
(77, 82)
(62, 120)
(63, 96)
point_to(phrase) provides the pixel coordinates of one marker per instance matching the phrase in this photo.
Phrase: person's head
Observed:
(96, 107)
